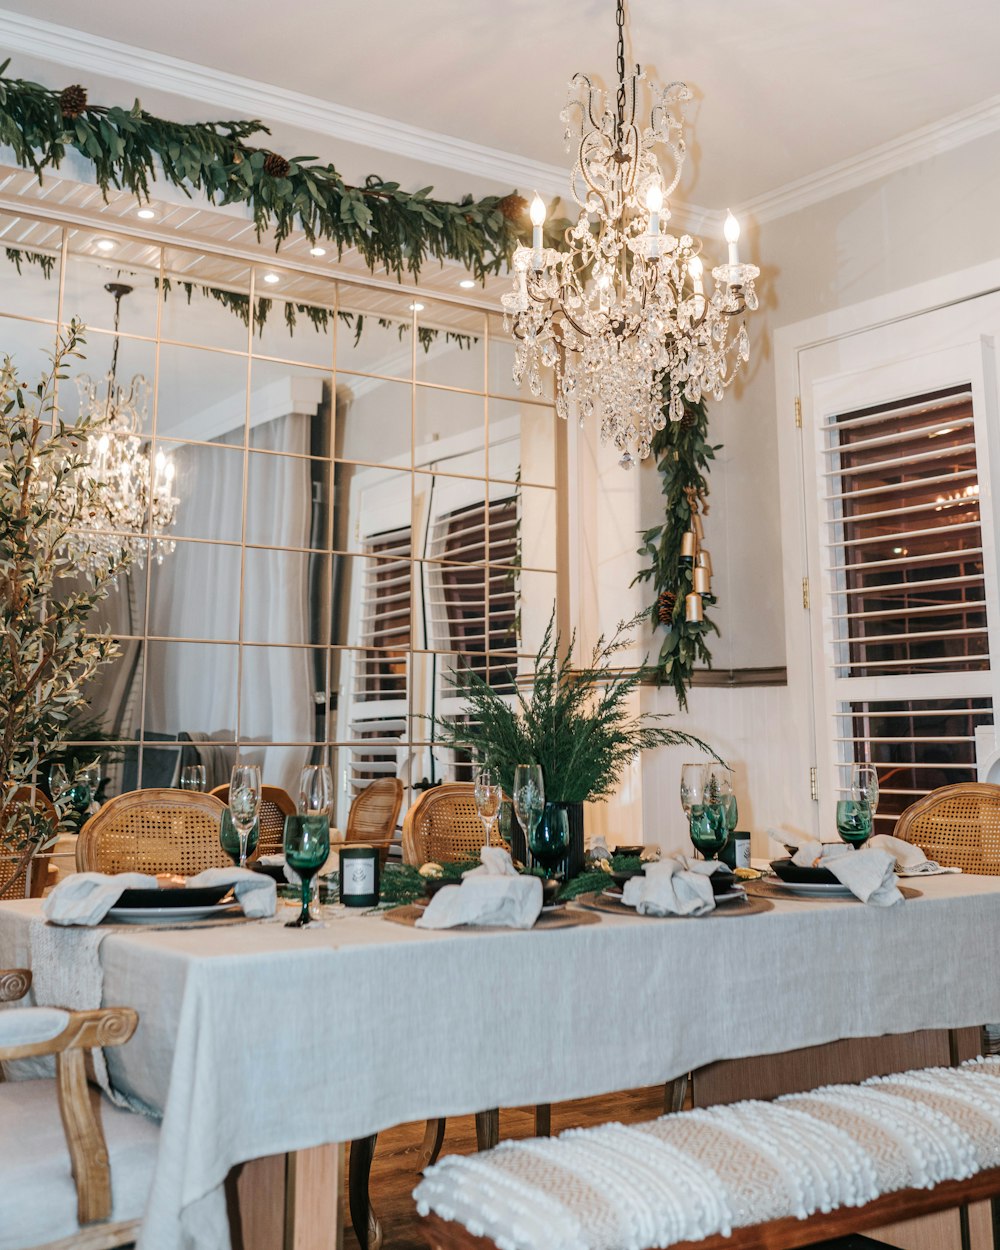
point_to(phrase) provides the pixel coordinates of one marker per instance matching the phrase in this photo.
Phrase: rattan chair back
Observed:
(374, 812)
(275, 805)
(443, 825)
(153, 831)
(959, 826)
(10, 862)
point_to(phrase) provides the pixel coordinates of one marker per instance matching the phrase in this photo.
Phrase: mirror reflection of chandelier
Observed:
(622, 314)
(134, 494)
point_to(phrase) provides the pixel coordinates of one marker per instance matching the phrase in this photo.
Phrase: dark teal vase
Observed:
(563, 822)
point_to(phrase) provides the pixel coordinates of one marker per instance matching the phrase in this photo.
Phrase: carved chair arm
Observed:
(14, 984)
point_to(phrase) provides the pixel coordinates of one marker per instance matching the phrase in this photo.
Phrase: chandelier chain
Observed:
(620, 18)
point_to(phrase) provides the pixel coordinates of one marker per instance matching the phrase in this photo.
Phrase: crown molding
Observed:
(888, 158)
(142, 68)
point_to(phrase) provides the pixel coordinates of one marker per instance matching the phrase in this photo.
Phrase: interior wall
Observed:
(924, 222)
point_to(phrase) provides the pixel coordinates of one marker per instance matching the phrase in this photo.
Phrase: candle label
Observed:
(358, 876)
(742, 848)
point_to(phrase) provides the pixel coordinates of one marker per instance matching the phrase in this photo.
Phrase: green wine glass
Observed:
(707, 827)
(307, 845)
(854, 821)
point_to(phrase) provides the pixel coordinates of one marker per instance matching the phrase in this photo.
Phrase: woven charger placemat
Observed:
(770, 889)
(615, 907)
(551, 918)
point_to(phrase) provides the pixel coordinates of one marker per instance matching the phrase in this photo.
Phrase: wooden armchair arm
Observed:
(88, 1151)
(14, 984)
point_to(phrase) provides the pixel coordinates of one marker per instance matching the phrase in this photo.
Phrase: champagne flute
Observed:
(529, 797)
(864, 786)
(854, 822)
(692, 786)
(194, 777)
(315, 790)
(244, 802)
(488, 795)
(307, 845)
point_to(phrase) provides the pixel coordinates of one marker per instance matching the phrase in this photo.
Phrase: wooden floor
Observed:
(395, 1171)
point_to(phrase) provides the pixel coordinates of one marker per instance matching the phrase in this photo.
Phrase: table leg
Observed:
(430, 1147)
(366, 1224)
(487, 1128)
(314, 1199)
(674, 1093)
(543, 1119)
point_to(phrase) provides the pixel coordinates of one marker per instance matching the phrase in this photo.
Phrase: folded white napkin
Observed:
(255, 892)
(495, 861)
(870, 875)
(87, 897)
(677, 886)
(910, 860)
(491, 899)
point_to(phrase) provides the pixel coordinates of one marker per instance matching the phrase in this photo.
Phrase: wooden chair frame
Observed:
(36, 865)
(465, 836)
(383, 834)
(961, 842)
(165, 802)
(88, 1151)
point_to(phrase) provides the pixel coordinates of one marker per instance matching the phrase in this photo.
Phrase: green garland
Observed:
(130, 148)
(683, 456)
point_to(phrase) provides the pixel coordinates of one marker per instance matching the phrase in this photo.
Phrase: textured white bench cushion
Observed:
(23, 1026)
(688, 1176)
(37, 1194)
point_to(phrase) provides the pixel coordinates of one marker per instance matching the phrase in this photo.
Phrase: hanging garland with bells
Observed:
(398, 230)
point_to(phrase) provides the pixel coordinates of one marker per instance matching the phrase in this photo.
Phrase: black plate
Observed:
(722, 880)
(795, 874)
(629, 850)
(275, 871)
(175, 896)
(621, 877)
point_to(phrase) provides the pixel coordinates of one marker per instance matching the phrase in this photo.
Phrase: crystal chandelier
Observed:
(622, 314)
(125, 490)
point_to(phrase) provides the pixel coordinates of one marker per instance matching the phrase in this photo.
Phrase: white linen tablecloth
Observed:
(255, 1039)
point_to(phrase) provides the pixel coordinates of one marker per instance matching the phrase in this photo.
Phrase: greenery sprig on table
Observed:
(683, 457)
(575, 722)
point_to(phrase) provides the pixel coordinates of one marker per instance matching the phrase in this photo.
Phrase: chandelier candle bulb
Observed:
(692, 608)
(689, 546)
(537, 214)
(732, 232)
(696, 272)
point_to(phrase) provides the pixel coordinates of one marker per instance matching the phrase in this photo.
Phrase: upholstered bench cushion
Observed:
(37, 1194)
(688, 1176)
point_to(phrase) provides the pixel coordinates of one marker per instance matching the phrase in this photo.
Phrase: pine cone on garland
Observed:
(275, 165)
(688, 420)
(72, 101)
(513, 207)
(665, 605)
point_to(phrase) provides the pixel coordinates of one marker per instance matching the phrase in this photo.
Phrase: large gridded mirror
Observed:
(365, 506)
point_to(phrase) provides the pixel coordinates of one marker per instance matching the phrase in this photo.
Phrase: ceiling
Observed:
(783, 90)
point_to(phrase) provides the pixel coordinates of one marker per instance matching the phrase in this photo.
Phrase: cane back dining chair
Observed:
(959, 826)
(374, 813)
(37, 869)
(443, 826)
(275, 805)
(153, 831)
(75, 1170)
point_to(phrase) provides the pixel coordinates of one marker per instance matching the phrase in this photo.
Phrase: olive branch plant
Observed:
(47, 652)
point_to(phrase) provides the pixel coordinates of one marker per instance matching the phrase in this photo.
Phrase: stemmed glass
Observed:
(864, 786)
(707, 826)
(244, 802)
(307, 845)
(488, 795)
(719, 793)
(194, 777)
(529, 797)
(692, 787)
(854, 821)
(316, 790)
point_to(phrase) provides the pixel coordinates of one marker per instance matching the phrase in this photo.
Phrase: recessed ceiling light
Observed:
(147, 214)
(467, 284)
(416, 308)
(106, 245)
(271, 278)
(317, 251)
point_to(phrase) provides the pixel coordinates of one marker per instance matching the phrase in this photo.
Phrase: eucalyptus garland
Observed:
(130, 149)
(683, 457)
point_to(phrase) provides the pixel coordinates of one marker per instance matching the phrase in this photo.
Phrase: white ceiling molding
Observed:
(242, 96)
(909, 149)
(286, 397)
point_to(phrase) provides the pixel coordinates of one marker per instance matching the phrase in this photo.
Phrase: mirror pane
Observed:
(375, 332)
(374, 419)
(289, 407)
(295, 316)
(372, 597)
(190, 688)
(201, 395)
(525, 525)
(195, 593)
(501, 365)
(285, 596)
(373, 509)
(29, 267)
(106, 273)
(205, 300)
(522, 442)
(30, 344)
(280, 509)
(91, 385)
(451, 345)
(208, 482)
(449, 431)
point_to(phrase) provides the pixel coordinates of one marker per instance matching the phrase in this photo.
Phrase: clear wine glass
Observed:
(244, 802)
(194, 777)
(529, 797)
(488, 795)
(316, 790)
(864, 786)
(692, 787)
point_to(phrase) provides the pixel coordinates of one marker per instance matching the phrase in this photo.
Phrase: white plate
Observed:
(737, 892)
(814, 887)
(166, 915)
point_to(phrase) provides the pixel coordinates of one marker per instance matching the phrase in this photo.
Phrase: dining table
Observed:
(257, 1040)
